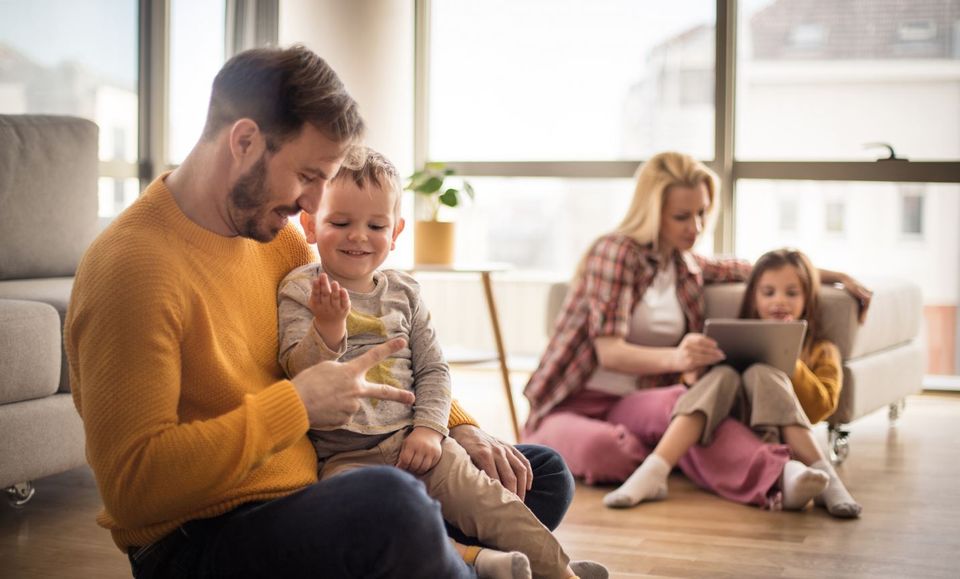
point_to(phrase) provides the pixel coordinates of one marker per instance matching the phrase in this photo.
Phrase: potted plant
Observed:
(433, 240)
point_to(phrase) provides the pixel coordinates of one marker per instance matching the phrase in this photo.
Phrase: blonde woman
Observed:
(607, 384)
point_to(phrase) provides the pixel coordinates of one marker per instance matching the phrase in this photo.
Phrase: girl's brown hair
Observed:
(809, 279)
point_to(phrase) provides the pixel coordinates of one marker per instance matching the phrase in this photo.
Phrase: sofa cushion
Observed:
(54, 291)
(29, 350)
(47, 217)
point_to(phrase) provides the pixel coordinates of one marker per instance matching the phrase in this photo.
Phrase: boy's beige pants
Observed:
(469, 500)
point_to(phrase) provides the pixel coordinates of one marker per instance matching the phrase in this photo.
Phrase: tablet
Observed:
(747, 342)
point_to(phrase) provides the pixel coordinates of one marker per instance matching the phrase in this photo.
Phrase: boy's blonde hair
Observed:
(365, 166)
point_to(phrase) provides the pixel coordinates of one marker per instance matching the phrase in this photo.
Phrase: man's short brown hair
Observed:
(280, 90)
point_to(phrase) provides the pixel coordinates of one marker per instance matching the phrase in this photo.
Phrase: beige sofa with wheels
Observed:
(882, 359)
(48, 217)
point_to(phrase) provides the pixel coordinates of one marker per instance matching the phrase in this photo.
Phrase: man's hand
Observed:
(695, 351)
(421, 450)
(498, 459)
(331, 391)
(330, 305)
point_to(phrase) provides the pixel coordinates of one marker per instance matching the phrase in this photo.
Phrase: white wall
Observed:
(370, 43)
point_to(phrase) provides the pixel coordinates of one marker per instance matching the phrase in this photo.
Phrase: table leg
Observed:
(505, 373)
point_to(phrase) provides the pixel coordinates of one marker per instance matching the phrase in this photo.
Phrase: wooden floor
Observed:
(907, 478)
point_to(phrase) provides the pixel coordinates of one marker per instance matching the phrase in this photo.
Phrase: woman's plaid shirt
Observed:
(616, 273)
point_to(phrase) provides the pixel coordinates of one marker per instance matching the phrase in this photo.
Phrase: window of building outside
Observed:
(788, 215)
(197, 48)
(819, 79)
(834, 212)
(89, 71)
(911, 222)
(873, 244)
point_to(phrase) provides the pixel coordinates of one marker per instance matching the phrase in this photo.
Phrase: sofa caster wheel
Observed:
(839, 444)
(20, 494)
(895, 410)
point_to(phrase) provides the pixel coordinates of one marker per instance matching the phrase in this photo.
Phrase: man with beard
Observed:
(196, 439)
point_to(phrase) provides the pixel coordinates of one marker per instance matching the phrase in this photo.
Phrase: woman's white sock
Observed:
(801, 483)
(647, 483)
(835, 497)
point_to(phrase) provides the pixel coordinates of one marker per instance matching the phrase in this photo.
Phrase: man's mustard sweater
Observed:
(171, 334)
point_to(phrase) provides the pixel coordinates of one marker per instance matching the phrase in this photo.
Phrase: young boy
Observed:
(339, 308)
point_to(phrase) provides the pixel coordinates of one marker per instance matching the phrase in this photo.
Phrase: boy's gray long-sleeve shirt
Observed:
(393, 309)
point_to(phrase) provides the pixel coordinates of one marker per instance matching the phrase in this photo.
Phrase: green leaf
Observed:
(434, 166)
(430, 186)
(450, 198)
(416, 181)
(469, 189)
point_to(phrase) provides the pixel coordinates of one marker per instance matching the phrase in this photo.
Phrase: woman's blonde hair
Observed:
(653, 178)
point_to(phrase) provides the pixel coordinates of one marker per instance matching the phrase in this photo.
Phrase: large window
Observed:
(570, 80)
(823, 80)
(795, 103)
(140, 69)
(536, 223)
(78, 58)
(881, 225)
(197, 46)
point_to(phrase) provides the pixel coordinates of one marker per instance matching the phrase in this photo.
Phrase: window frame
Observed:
(249, 23)
(728, 168)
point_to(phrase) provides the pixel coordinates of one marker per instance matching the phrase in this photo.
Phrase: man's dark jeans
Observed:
(372, 522)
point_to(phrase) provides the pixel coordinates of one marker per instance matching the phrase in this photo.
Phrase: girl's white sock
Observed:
(801, 483)
(647, 483)
(835, 497)
(493, 564)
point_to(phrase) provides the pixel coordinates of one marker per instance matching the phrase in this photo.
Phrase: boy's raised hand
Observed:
(421, 450)
(330, 305)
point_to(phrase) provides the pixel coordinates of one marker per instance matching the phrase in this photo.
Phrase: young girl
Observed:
(783, 286)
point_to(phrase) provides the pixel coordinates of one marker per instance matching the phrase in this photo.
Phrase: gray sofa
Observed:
(882, 359)
(48, 217)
